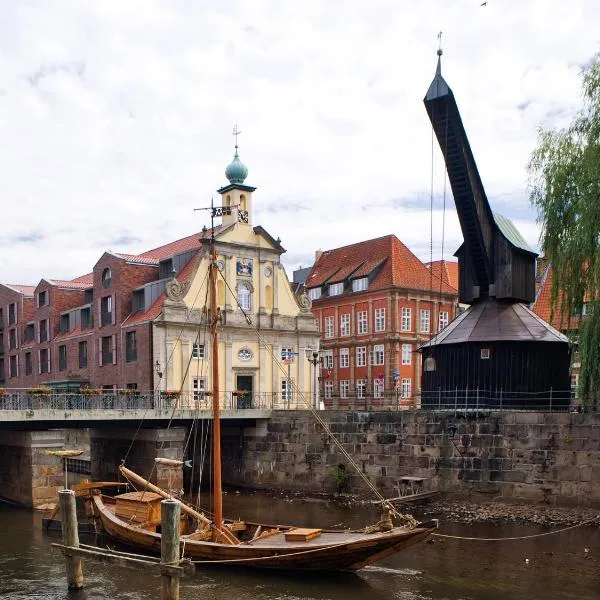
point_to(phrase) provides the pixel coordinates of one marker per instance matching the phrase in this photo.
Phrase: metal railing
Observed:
(440, 400)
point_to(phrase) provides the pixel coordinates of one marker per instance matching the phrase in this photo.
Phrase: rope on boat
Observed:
(522, 537)
(408, 520)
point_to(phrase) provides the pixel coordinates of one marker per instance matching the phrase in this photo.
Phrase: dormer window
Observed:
(336, 289)
(360, 285)
(314, 293)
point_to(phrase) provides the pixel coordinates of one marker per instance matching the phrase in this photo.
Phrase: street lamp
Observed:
(313, 357)
(158, 369)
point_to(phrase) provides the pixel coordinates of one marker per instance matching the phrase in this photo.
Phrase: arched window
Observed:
(242, 202)
(243, 295)
(228, 200)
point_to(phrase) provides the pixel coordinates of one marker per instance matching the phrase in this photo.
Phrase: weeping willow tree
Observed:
(565, 188)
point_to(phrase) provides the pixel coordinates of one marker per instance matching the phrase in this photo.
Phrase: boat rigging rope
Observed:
(522, 537)
(407, 519)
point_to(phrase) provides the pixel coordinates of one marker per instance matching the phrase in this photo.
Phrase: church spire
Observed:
(236, 170)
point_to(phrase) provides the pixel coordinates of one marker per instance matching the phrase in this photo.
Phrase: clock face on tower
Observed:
(243, 216)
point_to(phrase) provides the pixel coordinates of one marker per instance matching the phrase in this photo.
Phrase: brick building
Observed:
(375, 302)
(140, 321)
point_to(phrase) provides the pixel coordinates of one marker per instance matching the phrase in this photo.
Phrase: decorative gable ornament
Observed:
(175, 290)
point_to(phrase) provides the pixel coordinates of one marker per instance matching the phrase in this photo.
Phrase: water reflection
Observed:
(445, 570)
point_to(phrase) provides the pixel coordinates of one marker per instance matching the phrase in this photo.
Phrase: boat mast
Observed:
(215, 317)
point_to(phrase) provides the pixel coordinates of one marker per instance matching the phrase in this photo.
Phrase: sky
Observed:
(116, 118)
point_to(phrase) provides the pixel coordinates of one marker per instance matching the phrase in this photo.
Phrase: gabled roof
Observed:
(138, 260)
(26, 290)
(87, 278)
(398, 266)
(446, 270)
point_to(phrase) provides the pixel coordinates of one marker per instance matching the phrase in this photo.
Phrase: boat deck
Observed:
(326, 538)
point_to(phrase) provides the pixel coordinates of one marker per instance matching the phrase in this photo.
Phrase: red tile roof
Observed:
(447, 270)
(26, 290)
(87, 278)
(542, 304)
(191, 242)
(69, 284)
(140, 260)
(400, 267)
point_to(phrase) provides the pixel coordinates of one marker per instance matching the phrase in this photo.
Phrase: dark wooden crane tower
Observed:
(498, 352)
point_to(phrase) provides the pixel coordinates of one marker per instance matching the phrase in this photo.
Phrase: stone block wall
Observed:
(541, 457)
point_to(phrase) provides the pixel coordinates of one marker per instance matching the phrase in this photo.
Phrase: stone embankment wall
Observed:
(538, 457)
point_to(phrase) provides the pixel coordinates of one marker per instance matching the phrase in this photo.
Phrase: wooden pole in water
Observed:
(169, 547)
(70, 535)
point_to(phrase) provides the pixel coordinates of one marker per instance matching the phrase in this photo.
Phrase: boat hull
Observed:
(332, 551)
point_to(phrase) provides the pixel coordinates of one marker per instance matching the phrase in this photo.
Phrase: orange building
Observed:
(375, 302)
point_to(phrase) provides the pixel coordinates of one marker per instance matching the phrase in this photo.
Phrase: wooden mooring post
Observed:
(70, 536)
(169, 564)
(170, 519)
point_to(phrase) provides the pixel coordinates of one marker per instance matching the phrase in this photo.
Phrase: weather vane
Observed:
(439, 37)
(236, 132)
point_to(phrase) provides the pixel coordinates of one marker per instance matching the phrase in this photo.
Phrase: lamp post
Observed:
(313, 357)
(159, 372)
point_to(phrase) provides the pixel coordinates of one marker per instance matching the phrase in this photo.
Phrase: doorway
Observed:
(244, 384)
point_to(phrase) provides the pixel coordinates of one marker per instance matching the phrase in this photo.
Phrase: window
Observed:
(362, 322)
(287, 354)
(12, 339)
(360, 285)
(130, 346)
(13, 366)
(344, 388)
(42, 298)
(83, 355)
(28, 363)
(314, 293)
(361, 356)
(378, 388)
(12, 313)
(64, 323)
(199, 388)
(329, 327)
(405, 389)
(485, 354)
(380, 319)
(243, 295)
(131, 386)
(378, 354)
(345, 325)
(62, 358)
(425, 320)
(344, 358)
(29, 332)
(406, 319)
(328, 388)
(86, 318)
(44, 330)
(443, 319)
(106, 346)
(335, 289)
(406, 354)
(361, 388)
(106, 310)
(198, 351)
(327, 359)
(44, 366)
(106, 277)
(287, 390)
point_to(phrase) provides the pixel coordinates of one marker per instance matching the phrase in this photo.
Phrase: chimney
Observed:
(318, 254)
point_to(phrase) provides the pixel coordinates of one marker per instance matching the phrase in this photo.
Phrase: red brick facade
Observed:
(369, 338)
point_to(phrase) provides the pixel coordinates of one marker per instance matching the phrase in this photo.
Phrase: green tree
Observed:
(565, 188)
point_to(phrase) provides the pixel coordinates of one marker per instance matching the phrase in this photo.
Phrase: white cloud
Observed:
(115, 117)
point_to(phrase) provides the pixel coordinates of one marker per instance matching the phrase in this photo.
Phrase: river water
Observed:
(447, 569)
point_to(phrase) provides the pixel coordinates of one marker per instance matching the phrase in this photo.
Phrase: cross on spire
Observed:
(236, 132)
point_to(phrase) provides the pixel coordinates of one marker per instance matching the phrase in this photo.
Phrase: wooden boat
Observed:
(134, 518)
(265, 546)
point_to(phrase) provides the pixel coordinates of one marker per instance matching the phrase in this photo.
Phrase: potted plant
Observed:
(169, 396)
